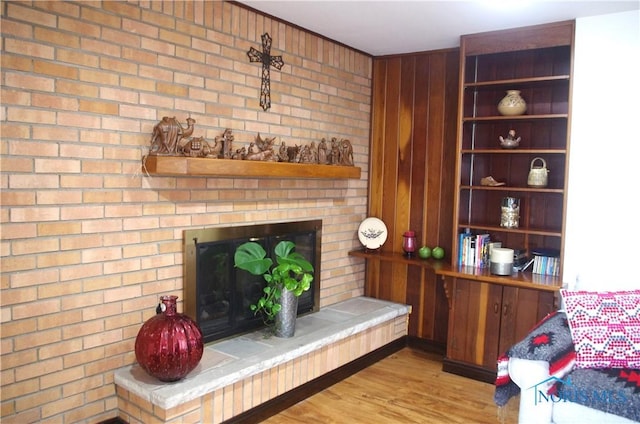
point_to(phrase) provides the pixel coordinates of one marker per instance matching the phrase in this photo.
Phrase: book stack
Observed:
(473, 250)
(546, 261)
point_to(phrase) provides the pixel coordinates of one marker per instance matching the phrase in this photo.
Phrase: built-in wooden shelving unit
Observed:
(490, 313)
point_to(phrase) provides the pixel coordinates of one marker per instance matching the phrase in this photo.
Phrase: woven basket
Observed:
(538, 174)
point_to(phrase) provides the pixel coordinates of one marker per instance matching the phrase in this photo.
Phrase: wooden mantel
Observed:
(185, 166)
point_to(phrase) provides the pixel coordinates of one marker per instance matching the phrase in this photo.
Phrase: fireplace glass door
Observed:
(223, 293)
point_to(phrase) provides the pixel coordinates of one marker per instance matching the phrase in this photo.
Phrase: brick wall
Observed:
(88, 241)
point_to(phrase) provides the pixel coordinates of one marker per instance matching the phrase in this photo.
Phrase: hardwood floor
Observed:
(405, 387)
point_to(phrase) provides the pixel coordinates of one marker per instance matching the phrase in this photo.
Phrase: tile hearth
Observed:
(237, 374)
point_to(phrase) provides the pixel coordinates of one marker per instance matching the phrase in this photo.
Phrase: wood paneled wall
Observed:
(413, 138)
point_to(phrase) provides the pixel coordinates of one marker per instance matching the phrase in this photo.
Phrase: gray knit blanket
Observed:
(612, 390)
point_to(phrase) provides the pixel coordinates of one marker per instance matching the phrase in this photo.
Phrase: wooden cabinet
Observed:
(537, 61)
(489, 313)
(485, 319)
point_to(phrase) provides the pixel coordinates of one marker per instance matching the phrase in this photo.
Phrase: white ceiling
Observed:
(404, 26)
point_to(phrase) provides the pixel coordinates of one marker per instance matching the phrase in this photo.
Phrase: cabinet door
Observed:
(487, 319)
(521, 310)
(474, 322)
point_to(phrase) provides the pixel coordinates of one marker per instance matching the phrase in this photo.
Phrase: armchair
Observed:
(579, 365)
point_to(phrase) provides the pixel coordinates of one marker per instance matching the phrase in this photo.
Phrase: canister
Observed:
(501, 261)
(510, 212)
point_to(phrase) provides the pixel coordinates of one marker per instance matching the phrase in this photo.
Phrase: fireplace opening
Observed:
(218, 295)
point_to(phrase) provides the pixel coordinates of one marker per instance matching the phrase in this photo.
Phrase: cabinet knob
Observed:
(496, 308)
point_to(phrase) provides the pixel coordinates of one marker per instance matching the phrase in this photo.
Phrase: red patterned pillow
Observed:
(605, 327)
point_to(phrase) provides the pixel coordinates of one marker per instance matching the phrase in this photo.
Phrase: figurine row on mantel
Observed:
(170, 138)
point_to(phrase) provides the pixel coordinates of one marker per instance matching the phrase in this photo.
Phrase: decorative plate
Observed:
(372, 233)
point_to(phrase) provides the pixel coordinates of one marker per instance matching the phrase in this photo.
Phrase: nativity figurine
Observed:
(167, 134)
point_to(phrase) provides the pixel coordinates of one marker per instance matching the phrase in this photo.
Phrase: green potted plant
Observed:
(286, 281)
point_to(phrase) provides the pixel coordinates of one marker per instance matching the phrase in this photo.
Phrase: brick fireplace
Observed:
(242, 370)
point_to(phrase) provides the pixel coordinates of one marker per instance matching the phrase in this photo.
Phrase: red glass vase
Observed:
(169, 345)
(409, 243)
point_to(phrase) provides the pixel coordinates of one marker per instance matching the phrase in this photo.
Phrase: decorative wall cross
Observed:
(267, 60)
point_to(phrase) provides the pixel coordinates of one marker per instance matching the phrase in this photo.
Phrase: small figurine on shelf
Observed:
(334, 158)
(305, 155)
(166, 136)
(323, 156)
(283, 156)
(346, 153)
(313, 152)
(293, 153)
(510, 142)
(262, 149)
(491, 182)
(240, 154)
(225, 141)
(196, 147)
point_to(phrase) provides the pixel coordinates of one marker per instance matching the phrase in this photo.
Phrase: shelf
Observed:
(434, 264)
(515, 118)
(521, 230)
(511, 188)
(443, 268)
(525, 82)
(207, 167)
(525, 280)
(513, 151)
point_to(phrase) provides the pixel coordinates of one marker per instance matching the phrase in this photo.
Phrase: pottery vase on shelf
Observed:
(512, 104)
(169, 345)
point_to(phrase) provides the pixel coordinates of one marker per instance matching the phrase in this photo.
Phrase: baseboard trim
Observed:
(427, 345)
(286, 400)
(469, 371)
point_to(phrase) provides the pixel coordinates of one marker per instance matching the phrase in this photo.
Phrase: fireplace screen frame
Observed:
(197, 239)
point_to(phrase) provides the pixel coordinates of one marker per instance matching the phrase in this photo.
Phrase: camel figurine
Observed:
(166, 135)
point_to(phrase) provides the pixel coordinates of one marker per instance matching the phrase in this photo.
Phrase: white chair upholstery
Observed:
(528, 374)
